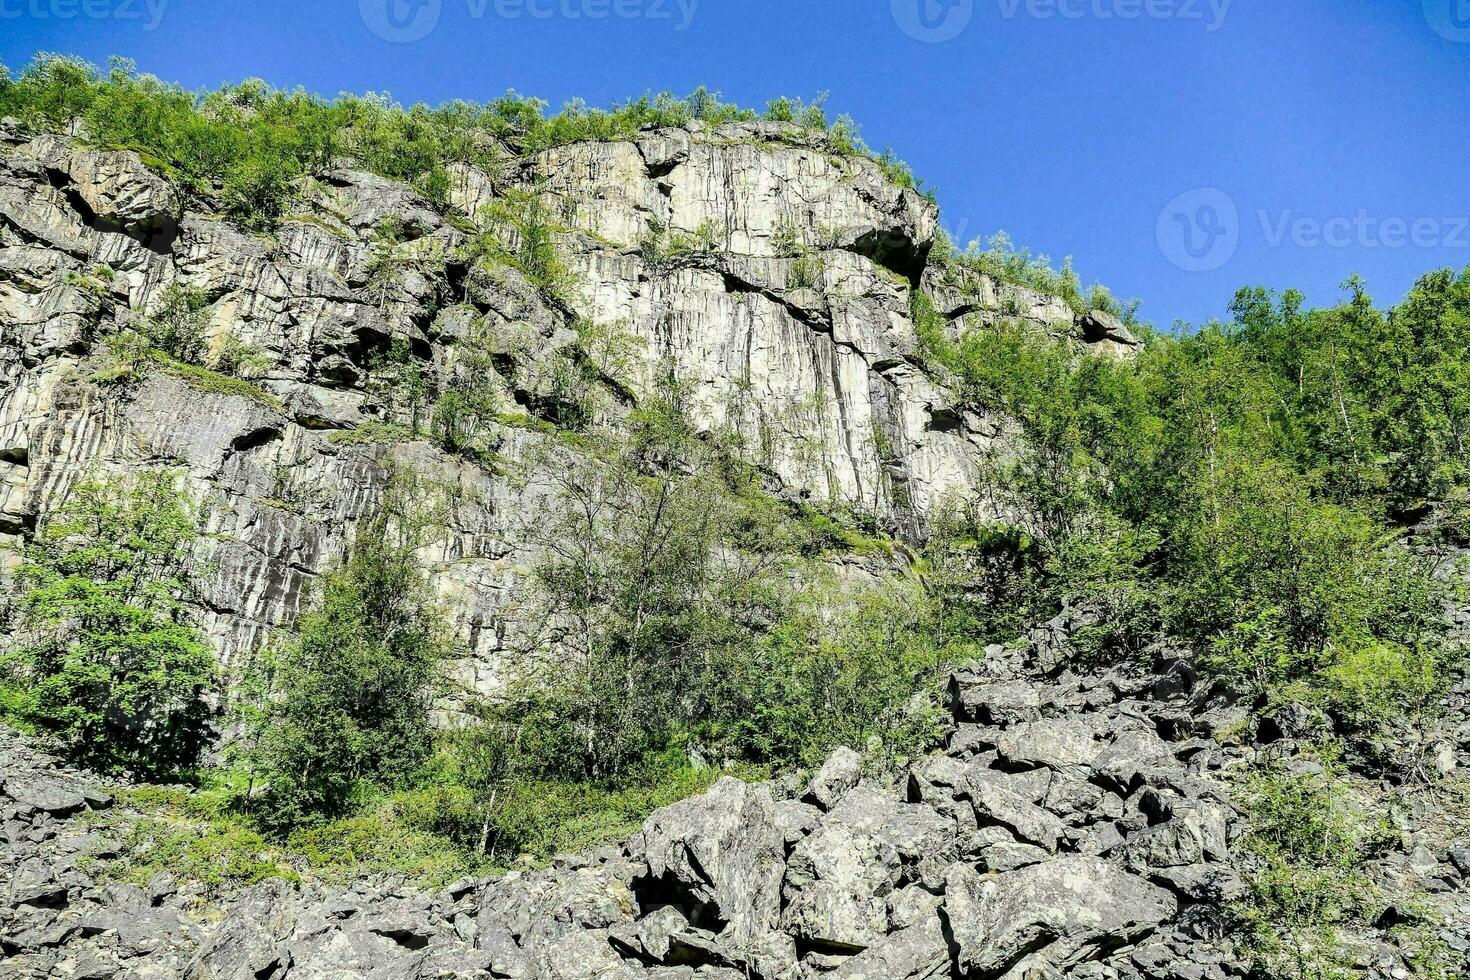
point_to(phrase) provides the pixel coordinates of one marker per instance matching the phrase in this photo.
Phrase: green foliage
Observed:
(661, 245)
(1229, 486)
(397, 383)
(234, 358)
(815, 680)
(467, 415)
(1289, 588)
(376, 840)
(481, 792)
(132, 356)
(344, 705)
(1002, 260)
(245, 148)
(178, 326)
(110, 661)
(1301, 856)
(371, 434)
(520, 230)
(193, 838)
(669, 577)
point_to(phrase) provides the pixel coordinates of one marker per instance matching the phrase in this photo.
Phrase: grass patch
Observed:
(131, 360)
(213, 383)
(542, 820)
(529, 423)
(372, 434)
(377, 842)
(195, 838)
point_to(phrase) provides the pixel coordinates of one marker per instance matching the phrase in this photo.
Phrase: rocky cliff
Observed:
(785, 310)
(1077, 823)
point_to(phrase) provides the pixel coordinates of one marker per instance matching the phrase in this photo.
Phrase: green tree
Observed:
(110, 660)
(178, 324)
(346, 702)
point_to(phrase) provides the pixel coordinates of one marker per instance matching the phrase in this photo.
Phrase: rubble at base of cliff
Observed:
(1076, 825)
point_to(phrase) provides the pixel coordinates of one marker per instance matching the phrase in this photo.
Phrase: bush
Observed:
(1286, 588)
(520, 231)
(192, 840)
(178, 326)
(344, 706)
(1301, 858)
(244, 147)
(110, 660)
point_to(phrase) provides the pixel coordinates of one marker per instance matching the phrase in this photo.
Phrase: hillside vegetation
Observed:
(1272, 493)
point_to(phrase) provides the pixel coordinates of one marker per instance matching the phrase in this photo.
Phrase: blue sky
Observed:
(1177, 149)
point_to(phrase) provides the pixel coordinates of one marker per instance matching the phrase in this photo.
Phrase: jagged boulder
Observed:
(721, 856)
(116, 187)
(1048, 916)
(840, 773)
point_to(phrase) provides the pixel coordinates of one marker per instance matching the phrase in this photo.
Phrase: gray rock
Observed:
(992, 703)
(918, 952)
(1065, 745)
(723, 852)
(840, 773)
(994, 803)
(836, 888)
(1049, 916)
(36, 792)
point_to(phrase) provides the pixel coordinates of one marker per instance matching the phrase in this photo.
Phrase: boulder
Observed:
(1050, 916)
(992, 702)
(836, 888)
(116, 187)
(722, 853)
(840, 773)
(919, 952)
(1065, 744)
(995, 804)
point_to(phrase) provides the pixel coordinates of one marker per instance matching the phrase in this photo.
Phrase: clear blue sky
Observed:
(1073, 130)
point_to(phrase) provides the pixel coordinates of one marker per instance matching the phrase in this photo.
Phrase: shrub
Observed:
(178, 325)
(110, 661)
(193, 839)
(1301, 857)
(344, 705)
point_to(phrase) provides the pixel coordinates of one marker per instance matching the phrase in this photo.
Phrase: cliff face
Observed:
(772, 278)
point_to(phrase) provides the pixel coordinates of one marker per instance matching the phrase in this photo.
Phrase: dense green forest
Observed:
(1269, 491)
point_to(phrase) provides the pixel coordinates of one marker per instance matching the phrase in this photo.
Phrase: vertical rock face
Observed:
(791, 316)
(771, 278)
